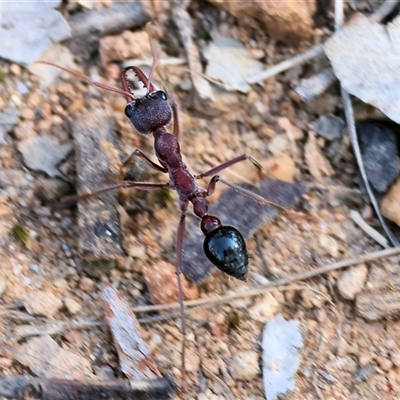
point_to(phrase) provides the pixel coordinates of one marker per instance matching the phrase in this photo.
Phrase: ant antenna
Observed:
(88, 80)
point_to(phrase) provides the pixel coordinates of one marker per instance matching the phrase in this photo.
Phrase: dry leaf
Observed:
(365, 56)
(281, 359)
(229, 62)
(133, 352)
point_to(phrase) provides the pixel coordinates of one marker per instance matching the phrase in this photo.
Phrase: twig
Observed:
(200, 304)
(183, 21)
(53, 328)
(23, 388)
(279, 282)
(384, 10)
(211, 303)
(310, 88)
(287, 64)
(373, 233)
(348, 111)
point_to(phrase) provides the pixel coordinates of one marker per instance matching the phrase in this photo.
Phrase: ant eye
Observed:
(161, 95)
(129, 111)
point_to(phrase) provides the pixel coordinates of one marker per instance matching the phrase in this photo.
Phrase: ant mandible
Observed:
(223, 245)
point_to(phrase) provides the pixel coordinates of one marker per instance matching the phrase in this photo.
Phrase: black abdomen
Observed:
(226, 249)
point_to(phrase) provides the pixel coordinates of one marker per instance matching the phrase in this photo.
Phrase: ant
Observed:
(223, 245)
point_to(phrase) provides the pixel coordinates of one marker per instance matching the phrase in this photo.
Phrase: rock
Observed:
(13, 177)
(25, 130)
(5, 363)
(49, 190)
(244, 365)
(317, 163)
(390, 204)
(192, 361)
(283, 20)
(395, 357)
(280, 167)
(8, 119)
(44, 23)
(3, 283)
(328, 245)
(47, 74)
(42, 153)
(363, 373)
(72, 306)
(329, 127)
(292, 131)
(162, 283)
(42, 303)
(124, 46)
(379, 151)
(86, 284)
(265, 308)
(279, 144)
(352, 281)
(44, 357)
(385, 363)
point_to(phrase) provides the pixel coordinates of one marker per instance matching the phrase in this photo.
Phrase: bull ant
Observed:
(223, 245)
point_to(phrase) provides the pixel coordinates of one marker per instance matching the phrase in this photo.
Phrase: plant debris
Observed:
(281, 359)
(365, 56)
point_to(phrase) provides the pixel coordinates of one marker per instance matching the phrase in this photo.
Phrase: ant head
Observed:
(149, 112)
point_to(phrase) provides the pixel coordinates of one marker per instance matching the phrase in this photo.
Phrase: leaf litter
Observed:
(281, 357)
(365, 56)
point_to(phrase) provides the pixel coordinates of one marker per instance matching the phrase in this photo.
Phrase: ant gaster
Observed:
(223, 245)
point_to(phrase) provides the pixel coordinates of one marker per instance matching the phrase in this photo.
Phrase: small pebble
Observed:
(22, 88)
(192, 361)
(352, 281)
(162, 283)
(244, 365)
(72, 306)
(264, 309)
(385, 363)
(15, 69)
(390, 204)
(86, 284)
(3, 284)
(280, 167)
(44, 303)
(5, 362)
(395, 357)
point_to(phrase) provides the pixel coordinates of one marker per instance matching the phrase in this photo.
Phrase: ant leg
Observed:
(227, 164)
(123, 185)
(179, 250)
(248, 193)
(146, 159)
